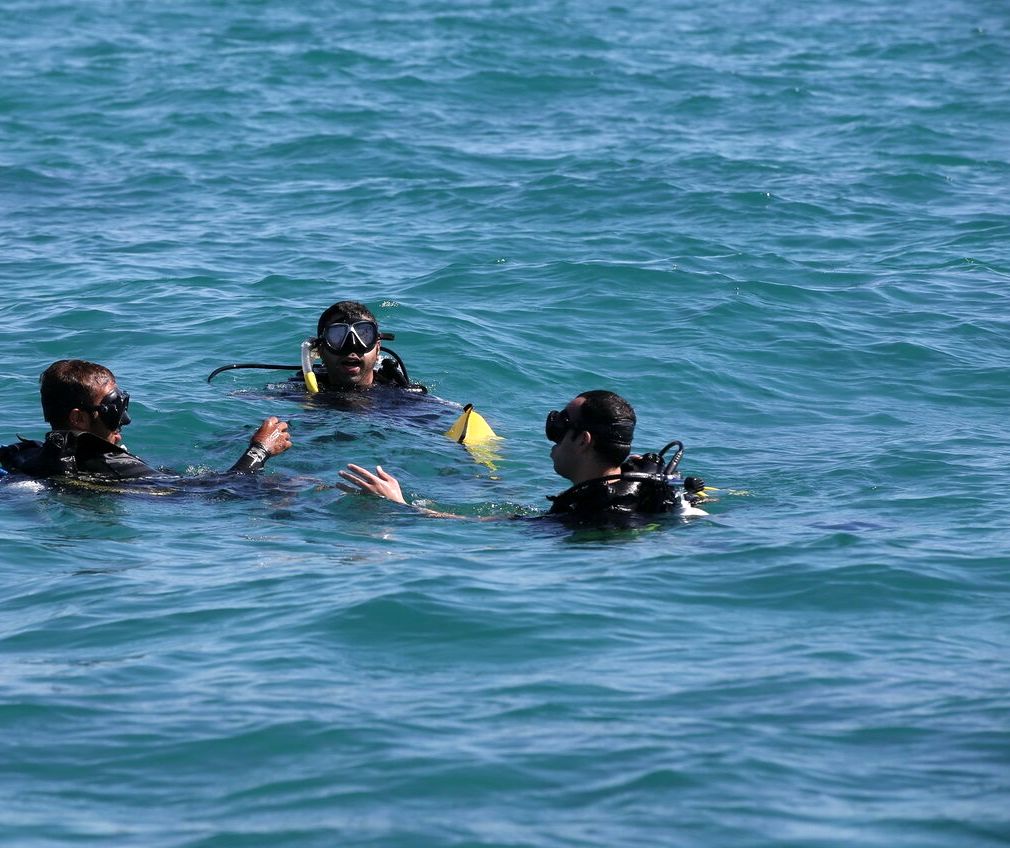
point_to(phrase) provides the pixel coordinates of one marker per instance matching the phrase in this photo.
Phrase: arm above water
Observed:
(384, 485)
(381, 484)
(270, 439)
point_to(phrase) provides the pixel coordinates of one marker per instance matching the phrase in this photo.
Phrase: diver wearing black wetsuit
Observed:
(592, 441)
(643, 488)
(594, 431)
(87, 410)
(611, 499)
(72, 453)
(349, 343)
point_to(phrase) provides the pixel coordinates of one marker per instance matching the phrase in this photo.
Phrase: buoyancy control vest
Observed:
(646, 486)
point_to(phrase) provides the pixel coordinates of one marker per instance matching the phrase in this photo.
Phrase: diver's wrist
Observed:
(257, 453)
(254, 457)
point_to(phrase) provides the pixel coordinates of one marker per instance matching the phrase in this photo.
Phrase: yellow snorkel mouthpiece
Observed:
(308, 354)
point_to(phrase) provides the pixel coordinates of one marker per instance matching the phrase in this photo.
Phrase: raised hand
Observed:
(380, 483)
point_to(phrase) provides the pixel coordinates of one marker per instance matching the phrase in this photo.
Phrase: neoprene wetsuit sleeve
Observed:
(254, 458)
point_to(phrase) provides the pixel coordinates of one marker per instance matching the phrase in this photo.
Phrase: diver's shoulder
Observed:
(14, 455)
(67, 453)
(50, 457)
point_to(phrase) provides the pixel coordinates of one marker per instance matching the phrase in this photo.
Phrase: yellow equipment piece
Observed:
(476, 435)
(308, 354)
(471, 428)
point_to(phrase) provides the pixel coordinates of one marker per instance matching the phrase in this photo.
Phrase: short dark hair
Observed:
(611, 419)
(344, 311)
(70, 384)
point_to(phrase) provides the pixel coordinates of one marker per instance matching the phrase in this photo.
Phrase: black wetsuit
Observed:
(72, 453)
(615, 501)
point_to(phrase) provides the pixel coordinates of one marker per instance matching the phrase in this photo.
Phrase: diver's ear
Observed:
(78, 419)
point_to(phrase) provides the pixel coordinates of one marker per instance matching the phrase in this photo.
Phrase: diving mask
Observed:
(112, 409)
(557, 424)
(617, 432)
(357, 337)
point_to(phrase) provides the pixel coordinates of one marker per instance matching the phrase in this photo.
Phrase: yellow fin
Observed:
(471, 428)
(476, 435)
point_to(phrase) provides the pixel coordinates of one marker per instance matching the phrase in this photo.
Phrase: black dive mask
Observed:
(112, 409)
(560, 422)
(358, 337)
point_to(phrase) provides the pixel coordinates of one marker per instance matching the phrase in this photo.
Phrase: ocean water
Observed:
(779, 229)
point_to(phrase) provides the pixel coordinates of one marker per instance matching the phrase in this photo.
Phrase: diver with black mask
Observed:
(348, 342)
(87, 411)
(592, 439)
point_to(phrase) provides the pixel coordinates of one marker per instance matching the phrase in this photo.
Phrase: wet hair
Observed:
(70, 384)
(344, 311)
(611, 420)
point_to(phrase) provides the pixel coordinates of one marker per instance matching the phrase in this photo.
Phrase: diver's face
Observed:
(565, 453)
(94, 421)
(352, 368)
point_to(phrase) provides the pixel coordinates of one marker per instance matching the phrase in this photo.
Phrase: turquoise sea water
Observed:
(779, 229)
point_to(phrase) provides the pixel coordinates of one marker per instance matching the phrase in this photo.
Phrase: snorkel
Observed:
(339, 337)
(309, 353)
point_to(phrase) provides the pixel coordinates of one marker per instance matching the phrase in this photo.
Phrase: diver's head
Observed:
(80, 395)
(349, 342)
(592, 435)
(344, 311)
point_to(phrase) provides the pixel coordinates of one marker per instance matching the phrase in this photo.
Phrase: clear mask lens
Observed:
(360, 337)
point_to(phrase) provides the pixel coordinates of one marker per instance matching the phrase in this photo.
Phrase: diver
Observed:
(87, 411)
(592, 442)
(349, 343)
